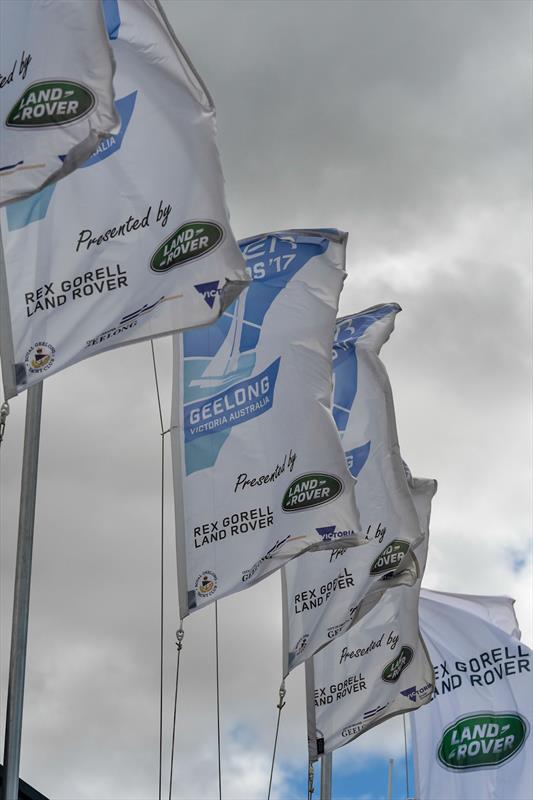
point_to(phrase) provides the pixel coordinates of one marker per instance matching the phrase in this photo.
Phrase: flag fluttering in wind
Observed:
(260, 472)
(136, 243)
(323, 592)
(378, 669)
(56, 91)
(473, 742)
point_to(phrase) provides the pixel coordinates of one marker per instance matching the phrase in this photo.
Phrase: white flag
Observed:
(378, 669)
(473, 742)
(322, 592)
(56, 90)
(257, 456)
(497, 609)
(136, 243)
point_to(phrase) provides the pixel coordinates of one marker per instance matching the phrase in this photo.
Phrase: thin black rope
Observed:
(157, 387)
(161, 606)
(179, 645)
(405, 755)
(218, 704)
(282, 693)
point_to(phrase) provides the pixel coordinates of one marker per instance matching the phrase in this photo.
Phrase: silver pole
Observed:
(21, 601)
(391, 765)
(325, 776)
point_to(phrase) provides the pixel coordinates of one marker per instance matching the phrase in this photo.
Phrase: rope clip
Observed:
(310, 781)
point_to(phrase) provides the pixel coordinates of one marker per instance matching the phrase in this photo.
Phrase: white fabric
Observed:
(379, 668)
(323, 592)
(497, 609)
(256, 451)
(44, 43)
(484, 676)
(134, 244)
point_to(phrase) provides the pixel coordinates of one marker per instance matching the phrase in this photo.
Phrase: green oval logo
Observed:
(390, 558)
(482, 740)
(394, 668)
(50, 103)
(192, 240)
(311, 489)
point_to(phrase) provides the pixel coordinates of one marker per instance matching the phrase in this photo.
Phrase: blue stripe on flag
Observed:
(111, 17)
(30, 209)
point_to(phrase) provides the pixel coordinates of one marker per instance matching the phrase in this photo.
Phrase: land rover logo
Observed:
(312, 489)
(390, 558)
(482, 740)
(192, 240)
(394, 668)
(49, 103)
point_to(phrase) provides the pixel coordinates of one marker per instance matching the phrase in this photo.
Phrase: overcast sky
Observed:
(408, 124)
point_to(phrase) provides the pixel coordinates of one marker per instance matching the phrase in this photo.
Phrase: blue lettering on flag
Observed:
(241, 402)
(356, 458)
(223, 355)
(347, 333)
(327, 531)
(350, 329)
(208, 291)
(410, 693)
(330, 532)
(271, 262)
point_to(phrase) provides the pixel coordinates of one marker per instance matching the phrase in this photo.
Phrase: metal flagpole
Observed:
(21, 601)
(325, 776)
(391, 765)
(406, 762)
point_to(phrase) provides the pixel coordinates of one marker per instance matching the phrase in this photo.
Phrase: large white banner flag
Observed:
(136, 243)
(56, 91)
(322, 592)
(473, 742)
(260, 472)
(378, 669)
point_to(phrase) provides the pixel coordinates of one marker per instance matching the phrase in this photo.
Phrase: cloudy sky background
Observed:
(407, 124)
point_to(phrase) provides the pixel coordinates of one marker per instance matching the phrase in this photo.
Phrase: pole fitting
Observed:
(180, 633)
(282, 693)
(4, 413)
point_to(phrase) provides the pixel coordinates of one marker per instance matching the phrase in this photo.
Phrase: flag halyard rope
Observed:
(179, 644)
(280, 705)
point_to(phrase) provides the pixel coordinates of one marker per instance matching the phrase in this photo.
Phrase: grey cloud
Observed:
(401, 114)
